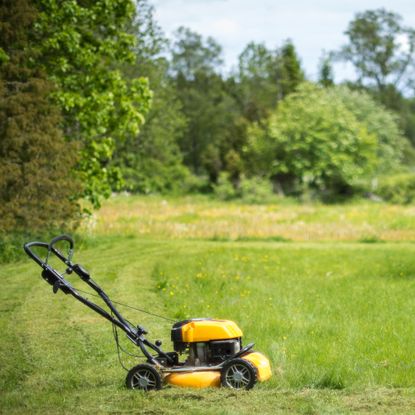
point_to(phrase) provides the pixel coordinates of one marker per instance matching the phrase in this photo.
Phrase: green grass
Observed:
(335, 319)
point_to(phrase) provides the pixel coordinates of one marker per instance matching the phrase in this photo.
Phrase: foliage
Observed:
(151, 161)
(381, 49)
(152, 175)
(249, 190)
(326, 75)
(224, 189)
(313, 141)
(398, 188)
(258, 75)
(37, 188)
(379, 122)
(212, 118)
(191, 54)
(291, 72)
(81, 46)
(265, 77)
(256, 190)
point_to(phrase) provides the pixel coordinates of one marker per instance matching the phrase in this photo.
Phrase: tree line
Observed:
(95, 99)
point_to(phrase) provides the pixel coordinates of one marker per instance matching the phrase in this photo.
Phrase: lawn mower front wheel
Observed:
(238, 374)
(144, 377)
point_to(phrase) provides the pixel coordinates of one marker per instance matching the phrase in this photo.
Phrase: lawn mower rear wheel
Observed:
(144, 377)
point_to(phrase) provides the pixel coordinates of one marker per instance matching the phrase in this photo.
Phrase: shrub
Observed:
(256, 190)
(248, 190)
(224, 189)
(399, 188)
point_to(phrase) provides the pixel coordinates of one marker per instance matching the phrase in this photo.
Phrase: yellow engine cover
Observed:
(206, 330)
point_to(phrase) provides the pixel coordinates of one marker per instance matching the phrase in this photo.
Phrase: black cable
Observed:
(115, 331)
(129, 306)
(119, 347)
(115, 334)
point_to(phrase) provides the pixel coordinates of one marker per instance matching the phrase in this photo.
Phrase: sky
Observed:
(313, 26)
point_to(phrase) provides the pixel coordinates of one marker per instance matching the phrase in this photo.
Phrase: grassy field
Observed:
(331, 307)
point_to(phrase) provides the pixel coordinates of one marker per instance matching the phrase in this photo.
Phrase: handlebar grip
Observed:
(50, 248)
(31, 254)
(66, 238)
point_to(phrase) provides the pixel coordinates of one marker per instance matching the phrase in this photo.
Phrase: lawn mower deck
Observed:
(212, 349)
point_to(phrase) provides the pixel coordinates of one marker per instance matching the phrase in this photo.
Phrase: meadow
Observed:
(326, 292)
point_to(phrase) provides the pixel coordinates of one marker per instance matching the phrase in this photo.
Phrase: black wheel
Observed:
(145, 377)
(238, 374)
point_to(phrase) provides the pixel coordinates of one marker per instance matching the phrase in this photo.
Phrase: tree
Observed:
(265, 77)
(37, 188)
(209, 109)
(82, 46)
(258, 81)
(151, 161)
(290, 69)
(312, 141)
(381, 49)
(391, 144)
(326, 76)
(191, 54)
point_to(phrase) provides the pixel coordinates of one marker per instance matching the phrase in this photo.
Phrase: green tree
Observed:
(325, 70)
(257, 81)
(151, 161)
(290, 69)
(384, 124)
(312, 141)
(211, 113)
(381, 49)
(191, 54)
(82, 47)
(265, 77)
(37, 188)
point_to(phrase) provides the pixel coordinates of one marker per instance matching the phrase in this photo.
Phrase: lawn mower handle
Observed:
(50, 247)
(62, 238)
(136, 335)
(32, 255)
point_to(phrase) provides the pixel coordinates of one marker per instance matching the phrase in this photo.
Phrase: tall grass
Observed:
(201, 218)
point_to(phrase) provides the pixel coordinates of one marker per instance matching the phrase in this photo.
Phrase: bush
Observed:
(224, 189)
(249, 190)
(399, 188)
(256, 190)
(154, 177)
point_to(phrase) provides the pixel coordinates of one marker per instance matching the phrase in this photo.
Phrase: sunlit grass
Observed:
(332, 317)
(203, 218)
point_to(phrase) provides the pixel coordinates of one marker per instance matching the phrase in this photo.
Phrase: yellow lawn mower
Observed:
(212, 349)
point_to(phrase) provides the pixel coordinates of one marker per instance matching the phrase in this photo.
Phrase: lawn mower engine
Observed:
(215, 355)
(207, 341)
